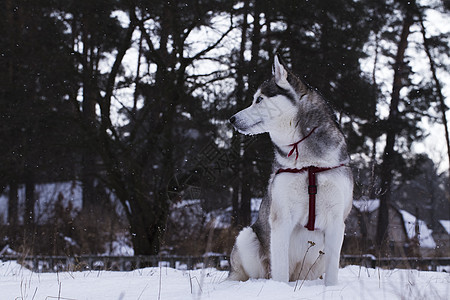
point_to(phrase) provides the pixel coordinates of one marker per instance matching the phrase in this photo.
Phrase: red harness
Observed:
(295, 145)
(312, 186)
(312, 189)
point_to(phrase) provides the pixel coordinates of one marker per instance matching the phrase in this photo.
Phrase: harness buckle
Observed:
(312, 189)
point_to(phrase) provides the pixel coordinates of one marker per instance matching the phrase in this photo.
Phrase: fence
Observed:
(127, 263)
(41, 263)
(418, 263)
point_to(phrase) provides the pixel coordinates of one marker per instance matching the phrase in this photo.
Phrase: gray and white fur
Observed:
(278, 245)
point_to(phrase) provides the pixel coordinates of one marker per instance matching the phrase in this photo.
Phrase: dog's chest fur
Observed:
(290, 199)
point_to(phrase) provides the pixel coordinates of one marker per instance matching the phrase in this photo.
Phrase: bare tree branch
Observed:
(188, 61)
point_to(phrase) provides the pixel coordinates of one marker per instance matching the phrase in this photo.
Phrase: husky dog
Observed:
(311, 184)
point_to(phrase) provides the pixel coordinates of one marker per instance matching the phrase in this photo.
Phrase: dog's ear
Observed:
(280, 73)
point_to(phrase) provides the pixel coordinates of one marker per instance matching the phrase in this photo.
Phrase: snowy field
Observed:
(170, 284)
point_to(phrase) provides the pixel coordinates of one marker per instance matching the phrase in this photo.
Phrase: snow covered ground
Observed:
(163, 283)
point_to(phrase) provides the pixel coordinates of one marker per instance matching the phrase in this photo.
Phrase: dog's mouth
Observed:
(252, 129)
(259, 123)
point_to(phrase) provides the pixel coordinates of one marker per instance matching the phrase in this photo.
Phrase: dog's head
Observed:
(274, 103)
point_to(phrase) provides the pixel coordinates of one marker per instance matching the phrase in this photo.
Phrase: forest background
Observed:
(131, 100)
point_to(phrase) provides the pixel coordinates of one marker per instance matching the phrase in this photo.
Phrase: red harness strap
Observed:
(295, 145)
(312, 189)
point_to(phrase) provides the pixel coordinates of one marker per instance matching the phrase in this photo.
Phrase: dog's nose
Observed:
(232, 119)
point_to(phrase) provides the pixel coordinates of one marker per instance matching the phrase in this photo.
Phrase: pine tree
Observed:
(33, 95)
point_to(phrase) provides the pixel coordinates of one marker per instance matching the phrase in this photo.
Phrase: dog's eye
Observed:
(259, 99)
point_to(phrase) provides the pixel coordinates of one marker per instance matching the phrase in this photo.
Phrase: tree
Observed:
(141, 157)
(95, 33)
(240, 186)
(405, 113)
(247, 81)
(33, 95)
(427, 44)
(392, 131)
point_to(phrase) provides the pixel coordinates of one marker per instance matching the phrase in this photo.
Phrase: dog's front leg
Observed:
(279, 249)
(334, 236)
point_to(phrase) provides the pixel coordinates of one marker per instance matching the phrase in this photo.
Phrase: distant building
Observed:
(441, 234)
(408, 236)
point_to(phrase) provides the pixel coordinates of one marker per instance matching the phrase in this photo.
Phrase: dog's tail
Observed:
(246, 260)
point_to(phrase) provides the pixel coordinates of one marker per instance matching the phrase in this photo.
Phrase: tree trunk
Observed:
(240, 100)
(391, 133)
(372, 191)
(13, 216)
(88, 161)
(147, 224)
(28, 216)
(442, 106)
(363, 222)
(236, 199)
(13, 205)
